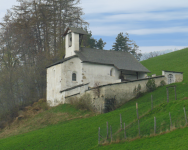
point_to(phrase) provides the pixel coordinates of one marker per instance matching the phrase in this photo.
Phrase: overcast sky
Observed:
(153, 24)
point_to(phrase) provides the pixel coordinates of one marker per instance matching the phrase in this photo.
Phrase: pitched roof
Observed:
(75, 30)
(61, 61)
(121, 60)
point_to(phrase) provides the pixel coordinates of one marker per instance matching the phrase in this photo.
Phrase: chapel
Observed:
(87, 66)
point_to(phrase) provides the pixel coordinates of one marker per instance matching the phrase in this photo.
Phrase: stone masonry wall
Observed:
(122, 92)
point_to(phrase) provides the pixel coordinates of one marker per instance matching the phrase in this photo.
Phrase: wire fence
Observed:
(153, 115)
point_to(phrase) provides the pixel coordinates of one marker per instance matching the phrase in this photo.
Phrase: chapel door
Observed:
(170, 79)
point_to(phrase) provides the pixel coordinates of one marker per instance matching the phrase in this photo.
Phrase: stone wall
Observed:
(122, 92)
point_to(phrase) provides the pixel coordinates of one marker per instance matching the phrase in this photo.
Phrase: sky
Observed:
(154, 25)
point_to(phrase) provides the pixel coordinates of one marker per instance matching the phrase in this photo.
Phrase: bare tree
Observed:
(30, 40)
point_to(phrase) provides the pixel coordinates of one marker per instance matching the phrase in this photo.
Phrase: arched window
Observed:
(74, 77)
(111, 72)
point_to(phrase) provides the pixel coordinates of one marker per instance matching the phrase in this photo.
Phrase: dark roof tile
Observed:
(121, 60)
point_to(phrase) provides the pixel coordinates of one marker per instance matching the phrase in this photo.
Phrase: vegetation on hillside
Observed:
(82, 132)
(30, 40)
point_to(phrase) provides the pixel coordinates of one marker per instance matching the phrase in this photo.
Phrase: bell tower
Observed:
(73, 39)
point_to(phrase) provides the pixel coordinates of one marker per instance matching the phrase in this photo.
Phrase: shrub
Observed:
(83, 103)
(150, 85)
(110, 104)
(162, 83)
(137, 91)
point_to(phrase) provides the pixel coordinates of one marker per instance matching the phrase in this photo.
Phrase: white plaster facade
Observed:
(72, 43)
(87, 74)
(173, 76)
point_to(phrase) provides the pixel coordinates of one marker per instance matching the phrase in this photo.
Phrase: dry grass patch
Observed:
(35, 117)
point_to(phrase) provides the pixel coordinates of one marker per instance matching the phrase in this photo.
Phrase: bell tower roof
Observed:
(75, 30)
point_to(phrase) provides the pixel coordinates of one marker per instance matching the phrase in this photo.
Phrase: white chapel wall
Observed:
(96, 73)
(69, 67)
(59, 77)
(54, 84)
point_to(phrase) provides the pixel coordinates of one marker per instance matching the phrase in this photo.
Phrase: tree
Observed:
(152, 54)
(90, 42)
(30, 40)
(100, 44)
(123, 43)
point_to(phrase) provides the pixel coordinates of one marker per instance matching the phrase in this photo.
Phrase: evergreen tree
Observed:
(100, 44)
(90, 42)
(123, 43)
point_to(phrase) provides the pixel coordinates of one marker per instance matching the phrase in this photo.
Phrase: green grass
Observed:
(176, 140)
(82, 133)
(174, 61)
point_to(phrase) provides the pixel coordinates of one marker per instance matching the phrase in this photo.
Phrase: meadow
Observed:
(78, 129)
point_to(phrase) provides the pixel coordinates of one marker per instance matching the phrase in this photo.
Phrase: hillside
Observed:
(81, 132)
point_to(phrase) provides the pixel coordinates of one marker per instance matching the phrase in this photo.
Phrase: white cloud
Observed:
(150, 16)
(159, 30)
(146, 49)
(107, 6)
(115, 29)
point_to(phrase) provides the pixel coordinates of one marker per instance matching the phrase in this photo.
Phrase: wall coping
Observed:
(107, 85)
(172, 71)
(125, 82)
(72, 95)
(68, 89)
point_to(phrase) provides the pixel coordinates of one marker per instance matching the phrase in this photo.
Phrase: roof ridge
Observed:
(104, 50)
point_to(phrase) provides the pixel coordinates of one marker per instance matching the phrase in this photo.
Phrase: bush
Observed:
(110, 104)
(150, 85)
(137, 91)
(162, 83)
(83, 103)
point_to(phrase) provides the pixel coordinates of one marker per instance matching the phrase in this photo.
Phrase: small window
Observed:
(70, 39)
(74, 77)
(111, 72)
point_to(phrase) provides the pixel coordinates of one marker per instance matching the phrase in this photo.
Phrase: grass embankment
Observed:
(39, 115)
(83, 133)
(175, 140)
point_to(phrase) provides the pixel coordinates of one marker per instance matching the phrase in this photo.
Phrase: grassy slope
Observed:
(176, 140)
(83, 133)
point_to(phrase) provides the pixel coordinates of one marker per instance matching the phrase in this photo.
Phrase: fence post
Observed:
(99, 136)
(107, 130)
(138, 119)
(170, 120)
(137, 110)
(185, 115)
(120, 122)
(100, 109)
(154, 125)
(124, 131)
(111, 132)
(175, 92)
(151, 102)
(167, 94)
